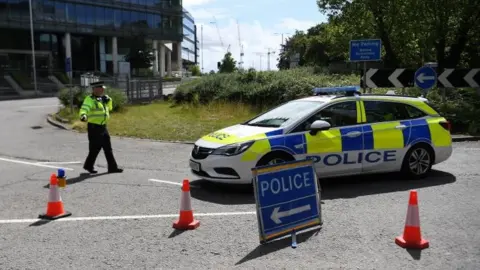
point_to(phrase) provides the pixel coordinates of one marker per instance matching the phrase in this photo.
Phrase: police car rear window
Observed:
(285, 114)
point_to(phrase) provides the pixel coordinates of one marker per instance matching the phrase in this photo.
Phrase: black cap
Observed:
(97, 84)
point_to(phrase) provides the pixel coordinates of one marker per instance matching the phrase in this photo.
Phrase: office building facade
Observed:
(190, 40)
(91, 35)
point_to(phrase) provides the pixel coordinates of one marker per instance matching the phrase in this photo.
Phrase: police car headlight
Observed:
(233, 149)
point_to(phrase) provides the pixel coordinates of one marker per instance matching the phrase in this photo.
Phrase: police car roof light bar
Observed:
(349, 90)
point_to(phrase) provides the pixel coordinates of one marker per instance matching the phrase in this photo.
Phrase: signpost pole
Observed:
(71, 96)
(294, 239)
(33, 49)
(68, 69)
(364, 77)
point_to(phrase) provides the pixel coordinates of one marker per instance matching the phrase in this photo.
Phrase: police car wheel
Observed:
(418, 162)
(275, 158)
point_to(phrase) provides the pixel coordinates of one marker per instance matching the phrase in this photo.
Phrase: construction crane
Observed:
(218, 32)
(240, 64)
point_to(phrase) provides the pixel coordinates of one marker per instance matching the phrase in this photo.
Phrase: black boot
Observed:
(90, 170)
(115, 170)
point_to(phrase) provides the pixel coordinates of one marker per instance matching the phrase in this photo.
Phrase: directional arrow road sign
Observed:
(425, 77)
(277, 215)
(287, 198)
(389, 77)
(456, 78)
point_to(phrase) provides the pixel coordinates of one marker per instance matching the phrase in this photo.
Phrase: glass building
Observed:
(190, 40)
(92, 35)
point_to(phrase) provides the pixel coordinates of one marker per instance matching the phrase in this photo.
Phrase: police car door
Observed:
(335, 150)
(386, 130)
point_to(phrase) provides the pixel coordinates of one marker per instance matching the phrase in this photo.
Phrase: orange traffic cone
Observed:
(186, 220)
(55, 205)
(412, 237)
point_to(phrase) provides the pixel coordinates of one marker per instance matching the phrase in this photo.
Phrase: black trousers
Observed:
(99, 138)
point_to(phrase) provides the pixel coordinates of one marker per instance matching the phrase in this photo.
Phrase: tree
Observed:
(195, 69)
(140, 55)
(228, 64)
(445, 32)
(412, 32)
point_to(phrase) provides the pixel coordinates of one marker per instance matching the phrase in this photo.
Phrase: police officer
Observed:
(96, 110)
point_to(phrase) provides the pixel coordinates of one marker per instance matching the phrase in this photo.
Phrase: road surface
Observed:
(124, 221)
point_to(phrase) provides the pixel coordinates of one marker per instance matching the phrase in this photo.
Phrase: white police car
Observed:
(346, 134)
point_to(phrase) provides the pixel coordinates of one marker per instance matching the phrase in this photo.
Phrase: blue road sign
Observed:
(365, 50)
(287, 198)
(67, 64)
(425, 77)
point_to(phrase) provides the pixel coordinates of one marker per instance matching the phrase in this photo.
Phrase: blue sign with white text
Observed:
(425, 77)
(365, 50)
(287, 198)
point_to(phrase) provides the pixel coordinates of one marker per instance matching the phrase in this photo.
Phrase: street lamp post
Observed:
(281, 35)
(33, 48)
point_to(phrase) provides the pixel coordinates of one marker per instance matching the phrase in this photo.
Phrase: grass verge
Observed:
(165, 121)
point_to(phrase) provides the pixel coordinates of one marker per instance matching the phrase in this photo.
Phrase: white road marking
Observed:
(59, 162)
(12, 221)
(33, 164)
(166, 182)
(40, 106)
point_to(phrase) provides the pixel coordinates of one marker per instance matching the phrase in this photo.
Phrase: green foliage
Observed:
(228, 64)
(461, 106)
(118, 96)
(195, 69)
(171, 79)
(449, 33)
(260, 89)
(265, 89)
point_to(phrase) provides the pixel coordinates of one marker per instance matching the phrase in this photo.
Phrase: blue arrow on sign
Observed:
(425, 78)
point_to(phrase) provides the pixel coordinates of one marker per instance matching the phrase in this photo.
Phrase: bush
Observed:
(266, 89)
(118, 96)
(260, 89)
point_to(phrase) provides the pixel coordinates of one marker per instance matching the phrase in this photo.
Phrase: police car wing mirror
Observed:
(319, 125)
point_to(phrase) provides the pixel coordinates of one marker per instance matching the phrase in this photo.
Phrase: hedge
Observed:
(266, 89)
(118, 96)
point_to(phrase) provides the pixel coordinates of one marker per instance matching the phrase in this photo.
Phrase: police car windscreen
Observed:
(285, 114)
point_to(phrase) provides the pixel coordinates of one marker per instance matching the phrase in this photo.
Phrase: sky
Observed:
(261, 22)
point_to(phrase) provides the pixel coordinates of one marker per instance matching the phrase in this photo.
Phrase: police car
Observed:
(347, 134)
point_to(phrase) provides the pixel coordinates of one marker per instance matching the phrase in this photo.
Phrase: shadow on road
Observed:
(332, 188)
(82, 177)
(352, 187)
(222, 193)
(277, 245)
(40, 223)
(415, 253)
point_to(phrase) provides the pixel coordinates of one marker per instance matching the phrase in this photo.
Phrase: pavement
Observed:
(124, 221)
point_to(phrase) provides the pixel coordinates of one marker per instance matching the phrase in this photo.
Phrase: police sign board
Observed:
(365, 50)
(287, 198)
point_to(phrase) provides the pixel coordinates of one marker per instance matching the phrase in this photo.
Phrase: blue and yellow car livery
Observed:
(411, 141)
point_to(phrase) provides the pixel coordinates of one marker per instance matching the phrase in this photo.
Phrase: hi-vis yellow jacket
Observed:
(97, 112)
